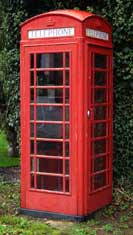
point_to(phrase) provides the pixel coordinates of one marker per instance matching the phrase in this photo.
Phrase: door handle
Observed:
(88, 113)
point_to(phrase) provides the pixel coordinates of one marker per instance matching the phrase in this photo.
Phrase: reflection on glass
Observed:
(67, 113)
(67, 149)
(50, 60)
(100, 129)
(50, 148)
(67, 77)
(32, 95)
(67, 131)
(50, 165)
(100, 146)
(32, 78)
(100, 113)
(67, 59)
(32, 164)
(100, 95)
(50, 78)
(31, 130)
(31, 61)
(100, 164)
(67, 184)
(50, 113)
(53, 183)
(100, 79)
(49, 96)
(49, 131)
(31, 112)
(100, 61)
(99, 180)
(67, 96)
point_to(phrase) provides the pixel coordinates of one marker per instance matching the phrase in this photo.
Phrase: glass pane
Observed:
(67, 77)
(100, 146)
(32, 78)
(100, 95)
(32, 61)
(32, 147)
(67, 59)
(50, 113)
(100, 129)
(100, 61)
(67, 131)
(50, 148)
(31, 112)
(67, 96)
(32, 130)
(67, 167)
(49, 131)
(32, 181)
(100, 164)
(67, 113)
(67, 149)
(32, 164)
(32, 95)
(100, 79)
(50, 78)
(99, 180)
(50, 60)
(49, 165)
(49, 182)
(100, 113)
(67, 184)
(49, 96)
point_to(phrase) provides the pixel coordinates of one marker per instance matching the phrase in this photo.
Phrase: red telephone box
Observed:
(66, 114)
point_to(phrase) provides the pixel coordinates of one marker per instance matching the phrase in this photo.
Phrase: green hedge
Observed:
(118, 13)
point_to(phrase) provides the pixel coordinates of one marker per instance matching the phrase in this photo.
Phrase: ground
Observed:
(115, 219)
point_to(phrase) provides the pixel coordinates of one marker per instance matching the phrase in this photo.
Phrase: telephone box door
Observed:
(100, 126)
(49, 171)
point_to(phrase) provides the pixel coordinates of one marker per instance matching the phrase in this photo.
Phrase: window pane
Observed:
(67, 77)
(67, 131)
(50, 148)
(100, 146)
(32, 147)
(49, 182)
(100, 129)
(49, 96)
(50, 60)
(100, 113)
(32, 164)
(67, 113)
(31, 112)
(67, 167)
(100, 61)
(100, 79)
(67, 149)
(32, 61)
(50, 113)
(67, 184)
(49, 165)
(67, 59)
(99, 180)
(32, 130)
(32, 78)
(50, 78)
(67, 96)
(100, 95)
(49, 131)
(32, 181)
(32, 95)
(100, 164)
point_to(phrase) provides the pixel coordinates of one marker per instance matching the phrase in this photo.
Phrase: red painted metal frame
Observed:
(82, 198)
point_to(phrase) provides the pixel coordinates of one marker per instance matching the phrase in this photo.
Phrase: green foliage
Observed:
(108, 227)
(118, 13)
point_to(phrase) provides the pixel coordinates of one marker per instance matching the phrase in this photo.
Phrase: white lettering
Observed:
(49, 33)
(97, 34)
